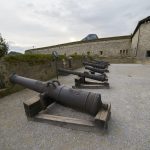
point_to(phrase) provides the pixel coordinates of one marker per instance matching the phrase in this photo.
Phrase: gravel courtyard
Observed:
(128, 128)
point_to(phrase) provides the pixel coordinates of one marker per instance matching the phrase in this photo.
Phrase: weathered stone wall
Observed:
(134, 43)
(108, 47)
(44, 71)
(144, 40)
(116, 60)
(39, 71)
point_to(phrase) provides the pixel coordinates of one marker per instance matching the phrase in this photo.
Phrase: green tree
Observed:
(3, 47)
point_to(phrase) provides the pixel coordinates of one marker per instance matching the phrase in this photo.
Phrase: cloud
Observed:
(42, 23)
(18, 48)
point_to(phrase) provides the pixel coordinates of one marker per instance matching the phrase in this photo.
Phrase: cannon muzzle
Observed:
(32, 84)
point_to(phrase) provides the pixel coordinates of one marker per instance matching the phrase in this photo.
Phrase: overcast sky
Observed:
(28, 23)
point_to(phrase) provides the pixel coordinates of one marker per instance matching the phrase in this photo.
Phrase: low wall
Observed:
(117, 60)
(41, 71)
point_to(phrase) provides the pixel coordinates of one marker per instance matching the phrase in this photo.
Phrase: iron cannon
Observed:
(102, 77)
(81, 81)
(97, 70)
(96, 65)
(53, 91)
(101, 62)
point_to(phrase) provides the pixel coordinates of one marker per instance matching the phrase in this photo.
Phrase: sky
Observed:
(27, 24)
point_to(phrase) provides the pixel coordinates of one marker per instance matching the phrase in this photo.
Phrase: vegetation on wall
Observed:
(36, 58)
(75, 56)
(3, 47)
(88, 53)
(61, 57)
(30, 58)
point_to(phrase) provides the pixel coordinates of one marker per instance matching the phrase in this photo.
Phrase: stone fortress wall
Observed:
(103, 47)
(144, 41)
(140, 44)
(136, 45)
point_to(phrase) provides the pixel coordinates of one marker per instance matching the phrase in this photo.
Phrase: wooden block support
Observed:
(103, 115)
(32, 106)
(33, 109)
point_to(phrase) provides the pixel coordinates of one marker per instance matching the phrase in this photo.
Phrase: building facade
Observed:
(135, 45)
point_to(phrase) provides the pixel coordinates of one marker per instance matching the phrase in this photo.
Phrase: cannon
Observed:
(101, 62)
(97, 70)
(95, 65)
(81, 82)
(102, 77)
(53, 91)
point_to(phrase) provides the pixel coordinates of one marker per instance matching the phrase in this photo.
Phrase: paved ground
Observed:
(129, 127)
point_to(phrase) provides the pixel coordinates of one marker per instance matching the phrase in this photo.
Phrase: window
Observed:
(101, 52)
(147, 53)
(88, 53)
(124, 52)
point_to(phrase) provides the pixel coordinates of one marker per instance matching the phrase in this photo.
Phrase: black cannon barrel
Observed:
(102, 66)
(102, 77)
(98, 70)
(101, 62)
(78, 99)
(32, 84)
(70, 72)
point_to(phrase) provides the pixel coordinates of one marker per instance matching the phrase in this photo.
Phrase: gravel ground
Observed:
(129, 126)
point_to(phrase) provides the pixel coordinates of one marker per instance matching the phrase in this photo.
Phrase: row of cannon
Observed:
(53, 91)
(96, 71)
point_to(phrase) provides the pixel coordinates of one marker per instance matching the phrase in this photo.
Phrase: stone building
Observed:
(134, 45)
